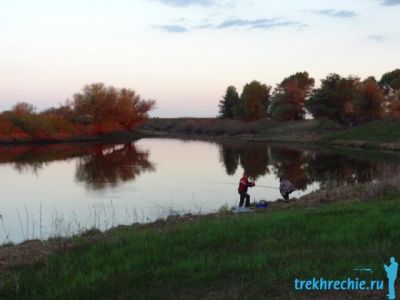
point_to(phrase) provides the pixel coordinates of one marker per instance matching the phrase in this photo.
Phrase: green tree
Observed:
(334, 99)
(254, 101)
(390, 83)
(228, 105)
(290, 95)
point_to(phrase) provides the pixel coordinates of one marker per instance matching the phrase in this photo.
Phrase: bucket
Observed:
(262, 204)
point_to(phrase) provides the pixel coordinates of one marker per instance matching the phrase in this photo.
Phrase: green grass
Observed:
(320, 131)
(297, 131)
(386, 131)
(243, 257)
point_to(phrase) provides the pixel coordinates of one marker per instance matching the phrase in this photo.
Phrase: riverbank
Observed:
(217, 256)
(263, 130)
(380, 135)
(115, 136)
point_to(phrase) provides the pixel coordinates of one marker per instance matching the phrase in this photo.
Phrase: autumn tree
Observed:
(254, 101)
(101, 104)
(228, 105)
(290, 95)
(64, 111)
(334, 99)
(23, 108)
(368, 105)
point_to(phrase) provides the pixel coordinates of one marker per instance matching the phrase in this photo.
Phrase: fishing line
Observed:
(377, 254)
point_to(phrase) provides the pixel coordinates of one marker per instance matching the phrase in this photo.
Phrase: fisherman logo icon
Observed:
(391, 272)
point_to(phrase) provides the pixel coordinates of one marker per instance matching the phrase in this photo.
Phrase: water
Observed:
(53, 190)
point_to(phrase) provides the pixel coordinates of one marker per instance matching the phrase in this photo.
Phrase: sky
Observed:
(185, 53)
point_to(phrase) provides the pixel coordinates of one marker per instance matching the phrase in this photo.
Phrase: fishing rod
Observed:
(262, 186)
(268, 187)
(370, 269)
(364, 270)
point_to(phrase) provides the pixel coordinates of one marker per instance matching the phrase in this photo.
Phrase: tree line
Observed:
(347, 100)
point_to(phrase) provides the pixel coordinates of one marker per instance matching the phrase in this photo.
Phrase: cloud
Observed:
(376, 38)
(187, 2)
(259, 23)
(335, 13)
(244, 23)
(241, 23)
(204, 26)
(172, 28)
(390, 2)
(280, 24)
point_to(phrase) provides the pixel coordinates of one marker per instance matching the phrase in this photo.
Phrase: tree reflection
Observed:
(333, 169)
(33, 158)
(230, 158)
(305, 167)
(98, 165)
(110, 166)
(291, 164)
(253, 158)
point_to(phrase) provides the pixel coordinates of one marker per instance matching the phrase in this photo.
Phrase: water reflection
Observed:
(190, 177)
(304, 167)
(98, 165)
(229, 156)
(252, 157)
(111, 166)
(291, 164)
(336, 169)
(102, 165)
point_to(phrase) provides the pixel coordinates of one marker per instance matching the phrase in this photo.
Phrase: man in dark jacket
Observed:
(244, 184)
(286, 188)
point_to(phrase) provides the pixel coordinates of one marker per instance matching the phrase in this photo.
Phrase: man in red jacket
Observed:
(244, 184)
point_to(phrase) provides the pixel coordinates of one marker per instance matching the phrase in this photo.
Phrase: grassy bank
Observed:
(383, 134)
(201, 126)
(254, 256)
(267, 130)
(263, 130)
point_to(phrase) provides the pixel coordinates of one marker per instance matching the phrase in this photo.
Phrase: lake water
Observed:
(53, 190)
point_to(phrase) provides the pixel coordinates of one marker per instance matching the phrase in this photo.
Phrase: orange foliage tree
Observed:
(23, 108)
(102, 105)
(368, 105)
(290, 95)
